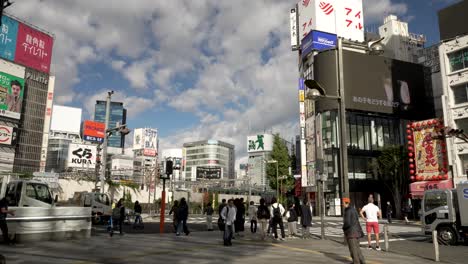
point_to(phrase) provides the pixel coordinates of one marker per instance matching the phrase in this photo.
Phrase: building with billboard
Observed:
(259, 148)
(207, 155)
(26, 95)
(64, 130)
(118, 115)
(453, 53)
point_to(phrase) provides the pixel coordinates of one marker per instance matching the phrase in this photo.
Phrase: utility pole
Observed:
(104, 143)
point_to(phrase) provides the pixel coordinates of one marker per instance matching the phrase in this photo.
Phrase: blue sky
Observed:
(195, 70)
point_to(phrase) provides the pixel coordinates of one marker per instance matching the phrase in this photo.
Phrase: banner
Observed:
(93, 131)
(11, 89)
(146, 139)
(209, 172)
(258, 143)
(8, 35)
(82, 156)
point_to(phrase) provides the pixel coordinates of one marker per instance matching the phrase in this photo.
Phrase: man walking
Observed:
(277, 211)
(228, 214)
(183, 216)
(209, 216)
(372, 222)
(253, 217)
(352, 231)
(3, 215)
(389, 212)
(263, 216)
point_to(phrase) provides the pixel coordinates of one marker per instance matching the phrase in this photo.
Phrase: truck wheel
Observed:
(446, 235)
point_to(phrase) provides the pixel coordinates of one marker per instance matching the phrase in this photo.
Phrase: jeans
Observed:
(263, 227)
(227, 237)
(253, 226)
(209, 222)
(182, 226)
(138, 219)
(355, 251)
(389, 218)
(4, 228)
(275, 227)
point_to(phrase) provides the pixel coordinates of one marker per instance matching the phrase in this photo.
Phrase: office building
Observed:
(118, 116)
(209, 159)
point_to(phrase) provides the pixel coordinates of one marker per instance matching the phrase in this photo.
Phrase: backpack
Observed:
(116, 213)
(263, 213)
(277, 212)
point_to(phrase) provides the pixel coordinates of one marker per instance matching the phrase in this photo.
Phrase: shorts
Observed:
(372, 226)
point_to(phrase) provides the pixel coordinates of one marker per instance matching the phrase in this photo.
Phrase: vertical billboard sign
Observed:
(8, 35)
(350, 20)
(33, 48)
(47, 122)
(316, 15)
(11, 89)
(146, 139)
(82, 156)
(293, 28)
(93, 131)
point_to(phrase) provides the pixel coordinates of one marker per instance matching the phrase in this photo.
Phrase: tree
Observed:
(281, 155)
(389, 166)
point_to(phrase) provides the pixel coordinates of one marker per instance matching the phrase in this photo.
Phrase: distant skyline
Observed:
(195, 70)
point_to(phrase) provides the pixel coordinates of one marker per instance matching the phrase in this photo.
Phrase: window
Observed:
(39, 192)
(434, 200)
(458, 60)
(460, 93)
(464, 162)
(462, 124)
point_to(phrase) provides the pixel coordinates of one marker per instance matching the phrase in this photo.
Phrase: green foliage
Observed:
(128, 199)
(281, 155)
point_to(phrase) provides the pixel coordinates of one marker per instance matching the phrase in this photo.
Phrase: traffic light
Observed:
(169, 167)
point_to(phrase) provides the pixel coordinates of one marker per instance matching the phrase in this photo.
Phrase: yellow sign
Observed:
(301, 96)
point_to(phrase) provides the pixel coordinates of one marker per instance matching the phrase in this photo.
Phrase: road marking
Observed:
(396, 239)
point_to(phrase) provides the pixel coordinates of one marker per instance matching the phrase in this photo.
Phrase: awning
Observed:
(417, 188)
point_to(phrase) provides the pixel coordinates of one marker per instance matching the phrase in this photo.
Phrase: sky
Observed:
(195, 70)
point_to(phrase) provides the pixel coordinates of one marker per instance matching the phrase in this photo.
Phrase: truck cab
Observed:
(27, 193)
(447, 212)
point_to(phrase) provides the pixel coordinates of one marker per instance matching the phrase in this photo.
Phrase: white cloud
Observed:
(376, 10)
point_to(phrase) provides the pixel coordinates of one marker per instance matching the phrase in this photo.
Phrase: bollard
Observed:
(386, 238)
(436, 245)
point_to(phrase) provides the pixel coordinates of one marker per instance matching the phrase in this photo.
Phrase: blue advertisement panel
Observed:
(317, 40)
(8, 35)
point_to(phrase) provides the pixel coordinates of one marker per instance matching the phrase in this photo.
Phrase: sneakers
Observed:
(282, 239)
(378, 248)
(369, 247)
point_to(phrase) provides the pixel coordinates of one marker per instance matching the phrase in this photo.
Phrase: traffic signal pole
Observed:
(163, 206)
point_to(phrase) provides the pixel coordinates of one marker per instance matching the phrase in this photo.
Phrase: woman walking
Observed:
(291, 216)
(263, 216)
(209, 216)
(306, 218)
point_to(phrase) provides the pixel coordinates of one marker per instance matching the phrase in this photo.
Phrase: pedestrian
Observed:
(119, 214)
(263, 216)
(209, 216)
(228, 214)
(221, 223)
(389, 212)
(175, 215)
(253, 217)
(352, 231)
(373, 214)
(240, 217)
(138, 219)
(291, 217)
(277, 211)
(221, 206)
(306, 218)
(406, 211)
(183, 216)
(3, 216)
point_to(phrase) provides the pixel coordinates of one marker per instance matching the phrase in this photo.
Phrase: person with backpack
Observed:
(209, 216)
(263, 216)
(183, 216)
(291, 217)
(253, 217)
(306, 218)
(228, 215)
(277, 211)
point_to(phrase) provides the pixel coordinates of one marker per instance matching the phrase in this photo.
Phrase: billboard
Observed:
(209, 172)
(146, 139)
(293, 29)
(11, 89)
(379, 84)
(8, 135)
(318, 40)
(316, 15)
(66, 119)
(93, 131)
(350, 20)
(81, 156)
(8, 35)
(258, 143)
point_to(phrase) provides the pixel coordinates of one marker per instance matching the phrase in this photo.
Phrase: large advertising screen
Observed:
(146, 139)
(11, 89)
(82, 156)
(25, 45)
(93, 131)
(209, 172)
(379, 84)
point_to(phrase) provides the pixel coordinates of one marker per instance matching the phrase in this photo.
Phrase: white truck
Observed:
(36, 215)
(447, 212)
(100, 204)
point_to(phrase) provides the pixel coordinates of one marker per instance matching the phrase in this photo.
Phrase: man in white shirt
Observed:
(373, 214)
(277, 211)
(229, 216)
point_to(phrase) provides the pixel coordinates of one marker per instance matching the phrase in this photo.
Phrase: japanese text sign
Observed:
(350, 20)
(8, 34)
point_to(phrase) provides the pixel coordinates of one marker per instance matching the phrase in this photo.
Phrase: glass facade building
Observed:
(209, 153)
(118, 115)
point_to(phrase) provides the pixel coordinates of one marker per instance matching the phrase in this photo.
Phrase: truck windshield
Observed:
(434, 200)
(39, 192)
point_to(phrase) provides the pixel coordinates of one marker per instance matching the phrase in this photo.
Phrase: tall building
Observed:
(209, 157)
(64, 129)
(118, 115)
(259, 148)
(145, 149)
(453, 52)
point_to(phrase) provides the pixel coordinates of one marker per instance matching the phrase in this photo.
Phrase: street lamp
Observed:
(277, 186)
(316, 91)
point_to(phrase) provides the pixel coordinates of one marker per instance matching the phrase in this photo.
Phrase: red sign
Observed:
(33, 48)
(93, 129)
(149, 152)
(417, 188)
